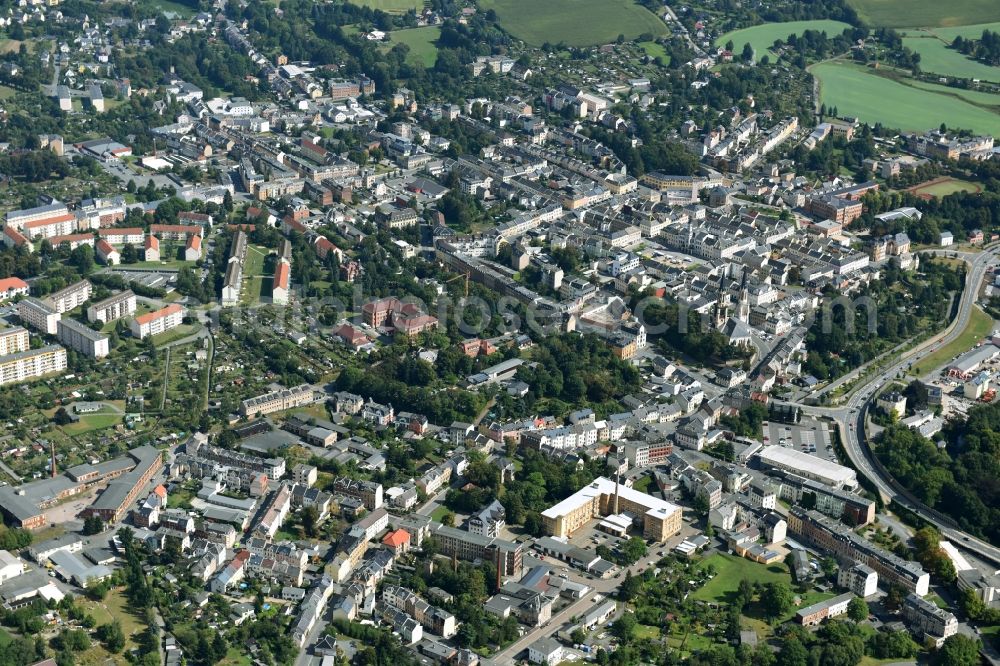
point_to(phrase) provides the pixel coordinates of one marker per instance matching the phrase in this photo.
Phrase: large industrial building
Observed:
(810, 467)
(660, 519)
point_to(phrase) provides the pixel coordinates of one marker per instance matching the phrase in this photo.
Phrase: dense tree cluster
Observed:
(961, 480)
(985, 49)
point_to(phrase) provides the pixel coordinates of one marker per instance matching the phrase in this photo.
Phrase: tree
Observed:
(633, 550)
(700, 504)
(630, 587)
(112, 636)
(448, 519)
(777, 599)
(624, 627)
(93, 525)
(793, 653)
(61, 417)
(744, 593)
(857, 609)
(894, 597)
(958, 650)
(309, 517)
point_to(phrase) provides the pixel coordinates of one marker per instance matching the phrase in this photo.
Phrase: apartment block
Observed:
(113, 503)
(13, 340)
(17, 219)
(31, 363)
(157, 322)
(38, 315)
(368, 492)
(471, 547)
(71, 297)
(276, 401)
(122, 235)
(119, 306)
(838, 539)
(928, 620)
(813, 615)
(82, 338)
(860, 579)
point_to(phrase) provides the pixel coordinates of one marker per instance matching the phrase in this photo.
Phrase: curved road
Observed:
(850, 418)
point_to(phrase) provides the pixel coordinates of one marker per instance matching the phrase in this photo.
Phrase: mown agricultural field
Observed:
(392, 6)
(575, 22)
(926, 13)
(936, 57)
(761, 37)
(859, 92)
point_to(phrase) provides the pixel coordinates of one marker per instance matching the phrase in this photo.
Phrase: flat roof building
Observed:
(810, 467)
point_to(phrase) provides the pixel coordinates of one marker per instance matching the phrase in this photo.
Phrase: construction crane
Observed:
(461, 275)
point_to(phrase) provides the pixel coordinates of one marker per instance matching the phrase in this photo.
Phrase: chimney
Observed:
(52, 448)
(618, 477)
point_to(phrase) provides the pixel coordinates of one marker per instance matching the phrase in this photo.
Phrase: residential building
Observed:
(154, 323)
(824, 610)
(860, 579)
(840, 540)
(38, 315)
(31, 364)
(927, 619)
(11, 287)
(82, 338)
(276, 401)
(71, 297)
(13, 340)
(118, 306)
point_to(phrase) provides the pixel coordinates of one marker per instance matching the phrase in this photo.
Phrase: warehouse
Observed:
(810, 467)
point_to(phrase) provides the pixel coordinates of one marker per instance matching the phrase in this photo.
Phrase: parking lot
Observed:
(808, 436)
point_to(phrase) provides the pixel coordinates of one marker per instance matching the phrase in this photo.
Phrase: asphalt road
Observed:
(850, 417)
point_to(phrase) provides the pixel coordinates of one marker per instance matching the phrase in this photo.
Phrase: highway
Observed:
(850, 417)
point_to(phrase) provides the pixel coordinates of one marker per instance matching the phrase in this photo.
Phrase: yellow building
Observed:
(603, 497)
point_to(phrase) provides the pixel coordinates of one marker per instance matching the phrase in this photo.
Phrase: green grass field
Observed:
(655, 50)
(253, 275)
(936, 57)
(858, 92)
(730, 570)
(90, 422)
(925, 13)
(392, 6)
(575, 22)
(980, 325)
(422, 43)
(761, 37)
(174, 334)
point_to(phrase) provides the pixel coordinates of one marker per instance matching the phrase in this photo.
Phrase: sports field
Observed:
(422, 43)
(761, 37)
(858, 92)
(942, 187)
(936, 57)
(575, 22)
(392, 6)
(926, 13)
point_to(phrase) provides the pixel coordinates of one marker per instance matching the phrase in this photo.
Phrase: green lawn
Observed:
(393, 6)
(980, 325)
(253, 275)
(858, 92)
(161, 265)
(174, 334)
(921, 13)
(422, 43)
(655, 50)
(439, 513)
(730, 570)
(646, 631)
(575, 22)
(936, 57)
(761, 37)
(89, 422)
